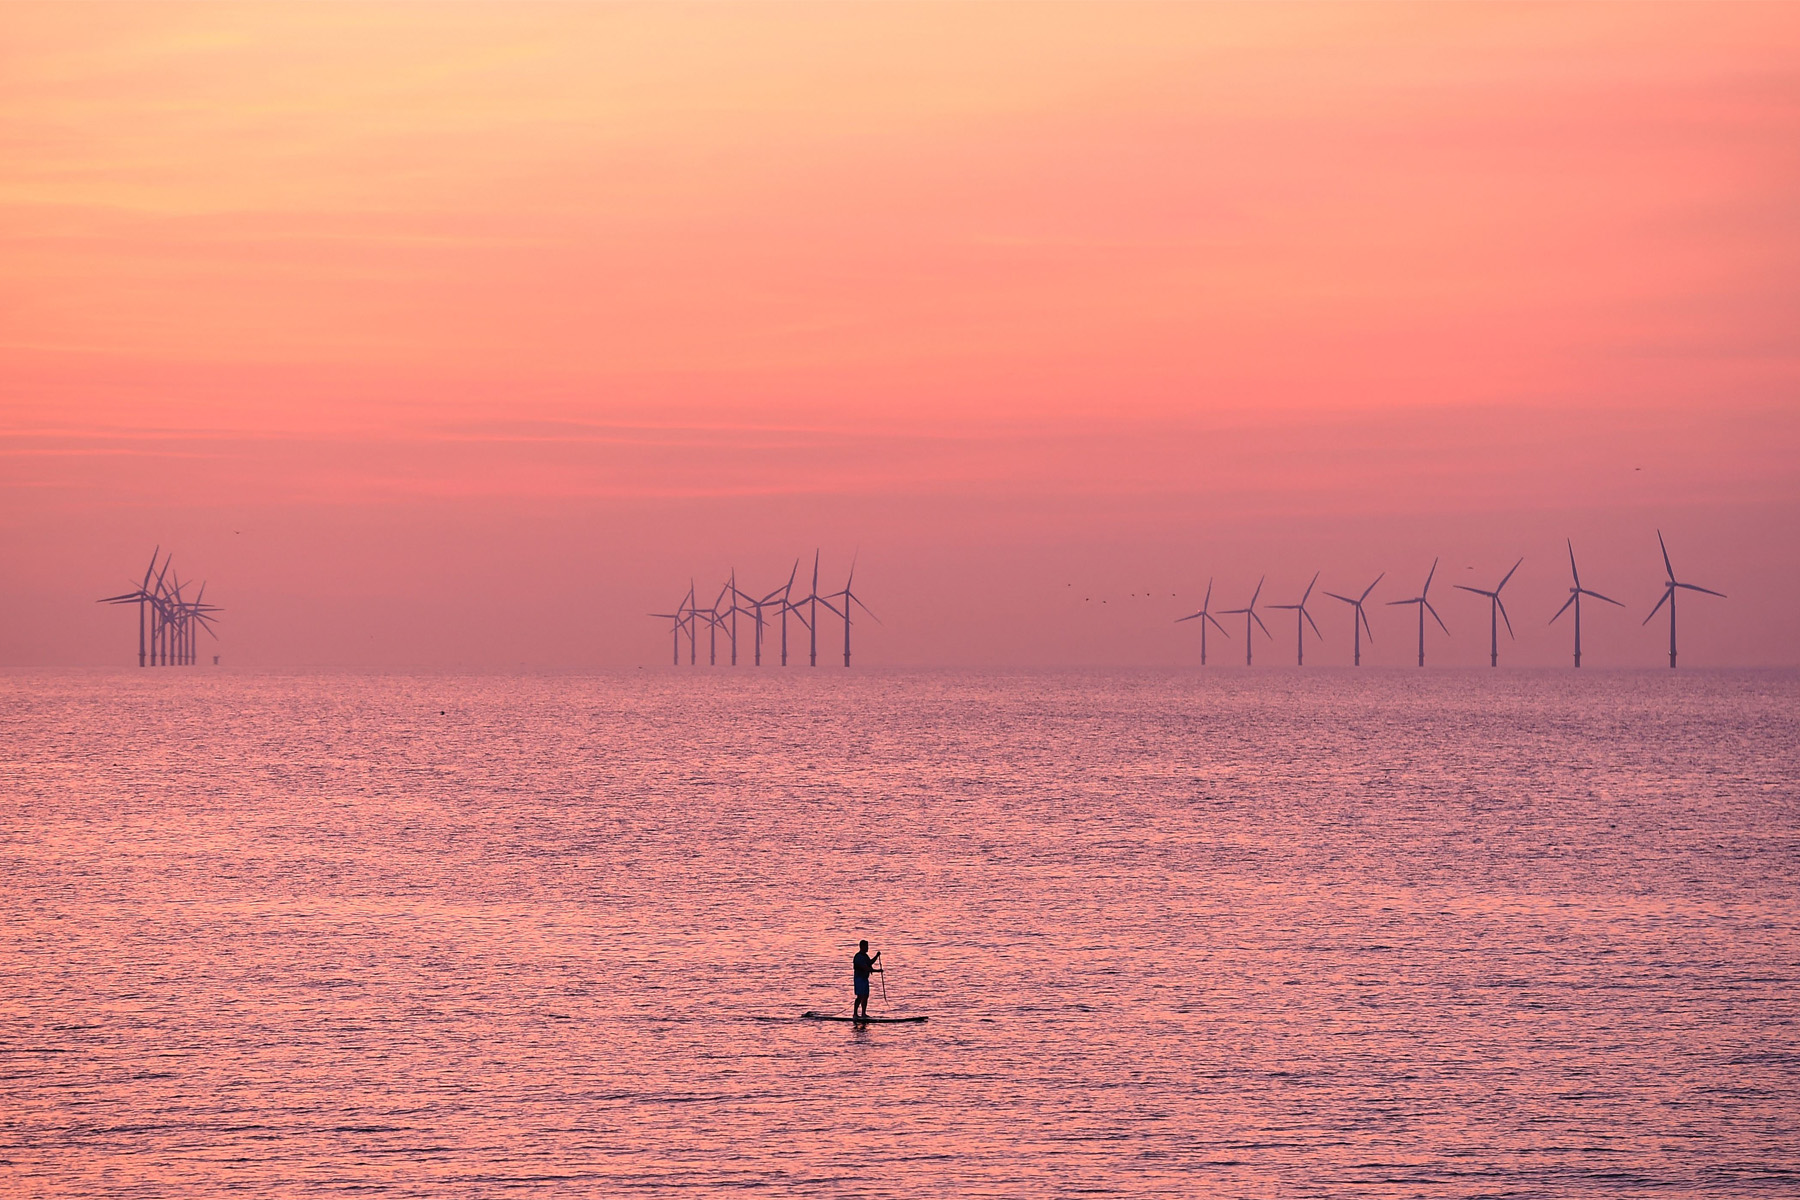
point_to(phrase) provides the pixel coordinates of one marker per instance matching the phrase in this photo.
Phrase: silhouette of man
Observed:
(864, 966)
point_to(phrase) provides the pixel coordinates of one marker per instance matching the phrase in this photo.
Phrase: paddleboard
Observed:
(819, 1016)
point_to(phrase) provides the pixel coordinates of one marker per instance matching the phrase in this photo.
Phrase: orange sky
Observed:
(461, 335)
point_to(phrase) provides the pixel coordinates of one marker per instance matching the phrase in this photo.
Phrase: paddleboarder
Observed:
(863, 966)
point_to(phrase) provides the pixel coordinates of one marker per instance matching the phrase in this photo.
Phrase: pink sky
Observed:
(461, 336)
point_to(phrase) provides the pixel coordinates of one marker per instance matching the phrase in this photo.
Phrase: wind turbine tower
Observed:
(1205, 617)
(1496, 614)
(1359, 620)
(1424, 603)
(1302, 619)
(1668, 596)
(1575, 594)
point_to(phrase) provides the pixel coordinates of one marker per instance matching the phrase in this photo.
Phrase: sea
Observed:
(1220, 932)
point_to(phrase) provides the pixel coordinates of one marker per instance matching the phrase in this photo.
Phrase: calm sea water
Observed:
(1251, 934)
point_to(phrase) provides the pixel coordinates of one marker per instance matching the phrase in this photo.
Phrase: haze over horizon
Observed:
(464, 336)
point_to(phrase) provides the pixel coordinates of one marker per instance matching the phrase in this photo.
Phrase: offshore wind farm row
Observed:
(721, 616)
(170, 624)
(1360, 626)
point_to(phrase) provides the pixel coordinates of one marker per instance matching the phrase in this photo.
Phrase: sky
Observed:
(463, 336)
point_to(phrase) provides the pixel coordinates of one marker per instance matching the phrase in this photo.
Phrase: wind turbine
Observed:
(1302, 619)
(733, 612)
(787, 605)
(850, 599)
(675, 620)
(1575, 595)
(159, 617)
(140, 597)
(693, 623)
(201, 613)
(1424, 607)
(1668, 596)
(1205, 617)
(1249, 611)
(1359, 620)
(715, 621)
(1496, 613)
(754, 606)
(812, 621)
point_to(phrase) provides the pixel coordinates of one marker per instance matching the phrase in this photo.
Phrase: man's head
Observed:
(863, 945)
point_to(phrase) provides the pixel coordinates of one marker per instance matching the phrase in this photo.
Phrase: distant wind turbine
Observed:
(1205, 617)
(1359, 620)
(1496, 614)
(850, 601)
(1424, 607)
(733, 612)
(677, 620)
(1249, 611)
(1575, 594)
(786, 593)
(1302, 619)
(1668, 596)
(693, 623)
(140, 596)
(716, 621)
(812, 620)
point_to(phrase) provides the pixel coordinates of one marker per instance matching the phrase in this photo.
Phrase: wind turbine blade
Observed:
(1598, 596)
(1667, 566)
(1392, 603)
(1572, 570)
(1509, 574)
(1345, 599)
(1367, 628)
(1178, 620)
(1371, 587)
(1309, 587)
(1426, 590)
(1257, 592)
(1217, 626)
(1563, 609)
(1501, 605)
(1434, 615)
(866, 608)
(1668, 590)
(1694, 587)
(1463, 587)
(1259, 624)
(1313, 623)
(1207, 602)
